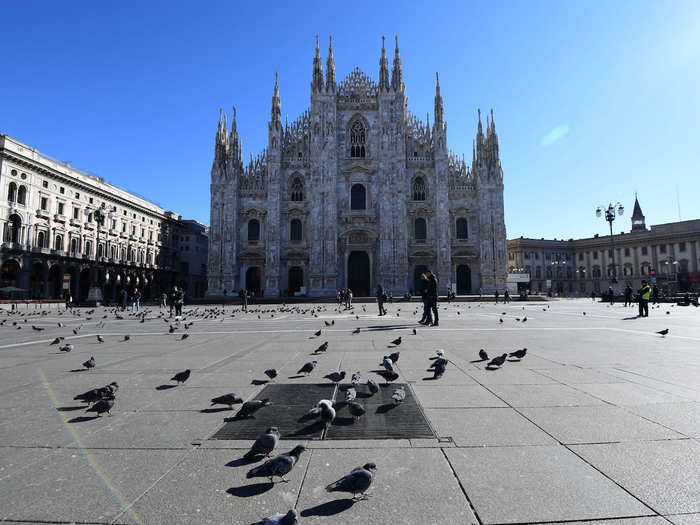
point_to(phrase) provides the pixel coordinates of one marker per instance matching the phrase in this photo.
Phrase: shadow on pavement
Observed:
(82, 419)
(329, 508)
(246, 491)
(70, 409)
(215, 410)
(242, 462)
(165, 387)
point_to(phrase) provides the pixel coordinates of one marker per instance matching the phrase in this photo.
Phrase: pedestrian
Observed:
(593, 295)
(381, 299)
(173, 294)
(628, 295)
(391, 297)
(179, 301)
(423, 290)
(135, 300)
(481, 292)
(506, 297)
(611, 295)
(163, 300)
(243, 294)
(348, 299)
(496, 296)
(643, 293)
(433, 296)
(124, 296)
(655, 294)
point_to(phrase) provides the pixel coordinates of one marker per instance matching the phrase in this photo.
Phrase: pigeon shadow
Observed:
(491, 367)
(329, 508)
(383, 409)
(307, 417)
(214, 410)
(343, 421)
(258, 382)
(316, 426)
(246, 491)
(430, 378)
(296, 376)
(82, 419)
(70, 409)
(629, 318)
(79, 370)
(241, 462)
(513, 360)
(474, 361)
(363, 395)
(165, 387)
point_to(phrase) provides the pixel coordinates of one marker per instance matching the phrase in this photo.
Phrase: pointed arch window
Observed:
(22, 195)
(12, 192)
(358, 197)
(420, 229)
(41, 240)
(295, 230)
(253, 230)
(462, 230)
(58, 245)
(297, 190)
(358, 136)
(418, 190)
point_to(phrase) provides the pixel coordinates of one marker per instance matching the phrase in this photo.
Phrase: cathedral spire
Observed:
(317, 81)
(439, 108)
(638, 223)
(396, 74)
(330, 67)
(276, 111)
(220, 141)
(383, 69)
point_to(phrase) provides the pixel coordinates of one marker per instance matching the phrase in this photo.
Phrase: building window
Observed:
(76, 213)
(22, 195)
(418, 190)
(526, 255)
(538, 272)
(58, 244)
(681, 245)
(537, 256)
(595, 255)
(548, 256)
(627, 252)
(297, 190)
(253, 230)
(12, 192)
(15, 227)
(77, 195)
(358, 197)
(548, 272)
(44, 204)
(88, 248)
(580, 256)
(60, 208)
(62, 190)
(420, 229)
(357, 139)
(662, 248)
(596, 272)
(41, 240)
(74, 246)
(45, 184)
(295, 230)
(462, 232)
(644, 250)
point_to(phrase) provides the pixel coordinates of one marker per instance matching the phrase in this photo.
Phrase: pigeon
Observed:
(60, 325)
(322, 348)
(518, 353)
(357, 482)
(483, 355)
(184, 336)
(356, 378)
(524, 319)
(372, 387)
(389, 376)
(356, 410)
(394, 356)
(100, 339)
(75, 331)
(336, 377)
(264, 444)
(251, 407)
(397, 341)
(90, 363)
(91, 396)
(181, 377)
(498, 361)
(277, 466)
(66, 348)
(291, 518)
(56, 341)
(414, 331)
(327, 414)
(663, 332)
(500, 320)
(307, 368)
(271, 373)
(127, 337)
(350, 394)
(399, 395)
(388, 364)
(38, 328)
(318, 333)
(171, 329)
(356, 330)
(104, 405)
(227, 399)
(327, 323)
(439, 368)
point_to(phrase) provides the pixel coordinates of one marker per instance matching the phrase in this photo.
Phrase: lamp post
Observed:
(99, 214)
(610, 217)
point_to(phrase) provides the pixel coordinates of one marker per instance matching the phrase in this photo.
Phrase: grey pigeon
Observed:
(388, 364)
(356, 378)
(91, 396)
(66, 348)
(181, 377)
(440, 361)
(90, 363)
(265, 443)
(37, 328)
(483, 355)
(307, 368)
(394, 356)
(100, 339)
(356, 409)
(105, 405)
(251, 407)
(519, 353)
(271, 373)
(356, 330)
(663, 332)
(336, 377)
(414, 331)
(396, 342)
(327, 414)
(350, 394)
(227, 399)
(372, 387)
(184, 336)
(318, 333)
(322, 348)
(127, 337)
(498, 361)
(389, 376)
(357, 482)
(399, 395)
(277, 466)
(56, 341)
(291, 518)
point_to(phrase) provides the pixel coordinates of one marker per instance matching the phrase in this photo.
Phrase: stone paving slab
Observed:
(543, 395)
(438, 395)
(681, 417)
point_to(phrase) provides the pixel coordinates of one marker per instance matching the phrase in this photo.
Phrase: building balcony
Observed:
(59, 253)
(123, 235)
(59, 218)
(113, 232)
(42, 213)
(76, 222)
(89, 225)
(132, 237)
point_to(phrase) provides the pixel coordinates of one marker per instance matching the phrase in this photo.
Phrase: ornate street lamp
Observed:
(610, 217)
(100, 215)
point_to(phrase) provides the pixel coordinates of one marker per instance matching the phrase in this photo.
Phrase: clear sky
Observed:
(593, 100)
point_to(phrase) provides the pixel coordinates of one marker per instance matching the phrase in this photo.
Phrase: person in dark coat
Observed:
(628, 295)
(423, 290)
(381, 299)
(433, 296)
(123, 298)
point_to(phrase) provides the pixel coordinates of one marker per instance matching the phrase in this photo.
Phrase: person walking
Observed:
(628, 295)
(135, 300)
(173, 294)
(495, 294)
(593, 295)
(611, 295)
(655, 294)
(179, 301)
(433, 296)
(644, 293)
(123, 298)
(506, 297)
(423, 290)
(163, 300)
(348, 299)
(243, 294)
(381, 299)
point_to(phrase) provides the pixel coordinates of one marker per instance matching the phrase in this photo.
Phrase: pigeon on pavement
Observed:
(336, 377)
(307, 368)
(291, 518)
(394, 356)
(483, 355)
(265, 443)
(388, 364)
(90, 363)
(66, 348)
(399, 395)
(372, 387)
(519, 353)
(277, 466)
(322, 348)
(357, 482)
(350, 394)
(356, 378)
(663, 332)
(56, 341)
(396, 342)
(181, 377)
(498, 361)
(251, 407)
(318, 333)
(356, 410)
(100, 339)
(105, 405)
(271, 373)
(227, 399)
(327, 414)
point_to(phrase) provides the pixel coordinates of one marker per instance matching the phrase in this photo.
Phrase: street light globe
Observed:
(620, 210)
(598, 212)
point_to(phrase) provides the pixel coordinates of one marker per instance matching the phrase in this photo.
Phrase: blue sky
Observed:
(593, 100)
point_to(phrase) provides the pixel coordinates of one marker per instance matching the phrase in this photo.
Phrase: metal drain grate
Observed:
(383, 419)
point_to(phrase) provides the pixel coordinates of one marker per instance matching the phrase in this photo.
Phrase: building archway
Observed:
(55, 281)
(296, 279)
(417, 271)
(37, 280)
(9, 273)
(253, 278)
(359, 274)
(464, 279)
(84, 285)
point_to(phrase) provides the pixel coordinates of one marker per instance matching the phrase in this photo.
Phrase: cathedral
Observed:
(356, 192)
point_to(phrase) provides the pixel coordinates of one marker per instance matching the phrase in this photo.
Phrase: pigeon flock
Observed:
(101, 400)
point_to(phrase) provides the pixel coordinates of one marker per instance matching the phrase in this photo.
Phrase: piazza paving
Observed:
(598, 423)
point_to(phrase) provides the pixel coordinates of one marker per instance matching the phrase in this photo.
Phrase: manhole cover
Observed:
(290, 403)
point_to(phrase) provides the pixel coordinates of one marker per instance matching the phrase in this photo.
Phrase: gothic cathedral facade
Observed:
(356, 192)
